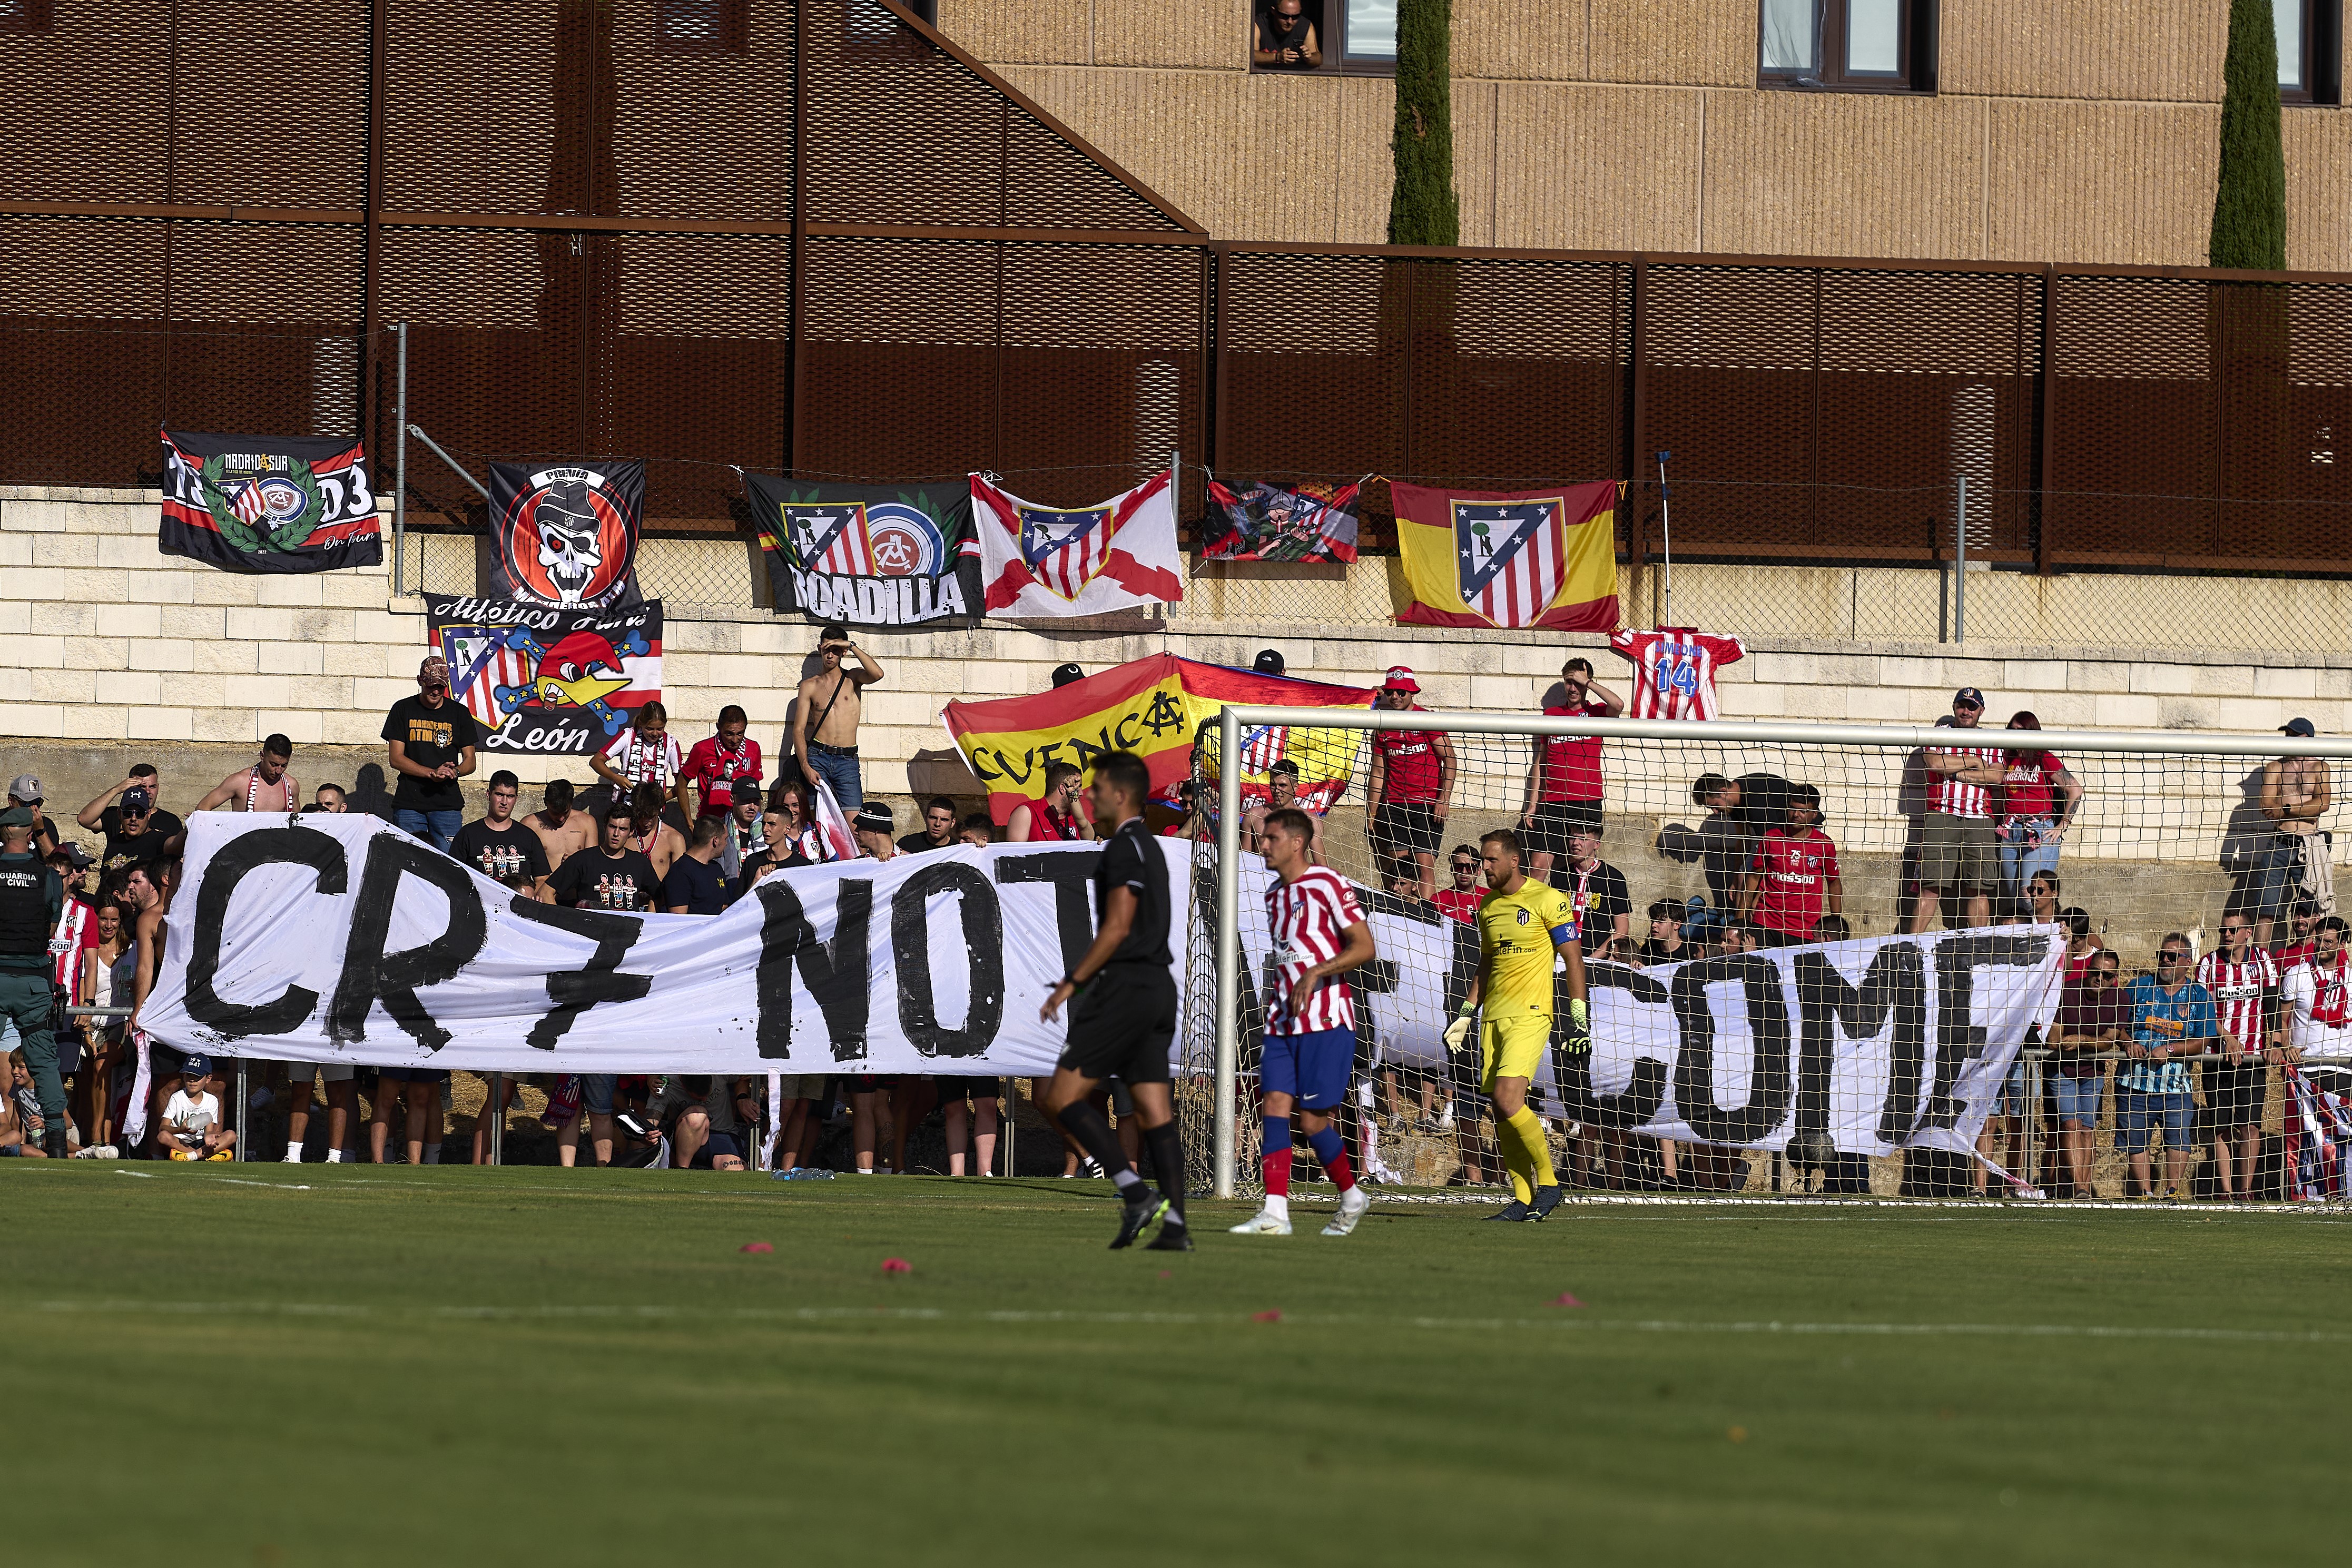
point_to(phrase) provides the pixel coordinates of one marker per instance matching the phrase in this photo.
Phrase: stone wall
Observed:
(111, 652)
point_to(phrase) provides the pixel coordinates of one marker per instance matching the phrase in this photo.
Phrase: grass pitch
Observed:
(279, 1366)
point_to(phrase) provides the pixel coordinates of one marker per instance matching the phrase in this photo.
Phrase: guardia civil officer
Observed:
(32, 902)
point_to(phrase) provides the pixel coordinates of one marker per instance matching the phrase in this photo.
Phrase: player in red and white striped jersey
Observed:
(1959, 855)
(2242, 979)
(1319, 932)
(1674, 670)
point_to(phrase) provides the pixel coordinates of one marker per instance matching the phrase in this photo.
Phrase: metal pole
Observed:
(1011, 1120)
(1229, 939)
(400, 465)
(244, 1114)
(1960, 567)
(455, 466)
(1665, 542)
(497, 1112)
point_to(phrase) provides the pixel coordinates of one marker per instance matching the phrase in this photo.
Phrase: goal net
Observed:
(1825, 958)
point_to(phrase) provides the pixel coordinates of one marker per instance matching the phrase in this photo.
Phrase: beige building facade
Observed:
(2073, 131)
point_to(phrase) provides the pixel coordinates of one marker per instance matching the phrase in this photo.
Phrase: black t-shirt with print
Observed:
(591, 879)
(130, 849)
(431, 736)
(510, 855)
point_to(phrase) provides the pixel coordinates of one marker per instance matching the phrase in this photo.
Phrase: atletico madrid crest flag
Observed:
(895, 555)
(1536, 560)
(1039, 561)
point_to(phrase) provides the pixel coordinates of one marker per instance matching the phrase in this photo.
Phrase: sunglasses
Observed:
(1462, 867)
(2173, 956)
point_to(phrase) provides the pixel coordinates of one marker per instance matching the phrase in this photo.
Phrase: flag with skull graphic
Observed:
(566, 534)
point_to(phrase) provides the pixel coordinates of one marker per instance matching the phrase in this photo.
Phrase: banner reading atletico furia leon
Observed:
(544, 681)
(1509, 560)
(1155, 707)
(342, 940)
(566, 533)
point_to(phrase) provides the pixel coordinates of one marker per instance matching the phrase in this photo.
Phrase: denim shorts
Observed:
(2139, 1114)
(2078, 1098)
(596, 1093)
(2012, 1092)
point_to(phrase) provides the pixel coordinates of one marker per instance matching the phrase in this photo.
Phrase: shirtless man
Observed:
(648, 834)
(147, 887)
(264, 787)
(562, 827)
(2296, 793)
(1282, 795)
(824, 717)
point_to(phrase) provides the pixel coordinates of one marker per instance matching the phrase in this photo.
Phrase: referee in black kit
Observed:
(1124, 1021)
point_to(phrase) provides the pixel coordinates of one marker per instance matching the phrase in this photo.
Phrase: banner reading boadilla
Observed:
(1154, 707)
(566, 533)
(870, 555)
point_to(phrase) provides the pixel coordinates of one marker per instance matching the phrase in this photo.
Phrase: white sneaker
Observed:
(1265, 1222)
(293, 1155)
(1351, 1208)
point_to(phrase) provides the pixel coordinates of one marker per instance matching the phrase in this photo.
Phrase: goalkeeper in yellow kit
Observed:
(1521, 923)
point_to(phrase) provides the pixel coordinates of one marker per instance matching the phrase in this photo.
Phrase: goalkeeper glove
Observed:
(1580, 1024)
(1458, 1033)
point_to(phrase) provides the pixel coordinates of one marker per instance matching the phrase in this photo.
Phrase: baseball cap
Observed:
(26, 788)
(432, 671)
(872, 818)
(2296, 726)
(78, 857)
(1968, 695)
(1065, 673)
(1400, 680)
(196, 1067)
(1268, 662)
(138, 799)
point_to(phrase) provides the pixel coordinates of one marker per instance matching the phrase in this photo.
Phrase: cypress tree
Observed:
(2250, 199)
(1422, 208)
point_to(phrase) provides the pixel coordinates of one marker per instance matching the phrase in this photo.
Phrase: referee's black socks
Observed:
(1168, 1163)
(1084, 1121)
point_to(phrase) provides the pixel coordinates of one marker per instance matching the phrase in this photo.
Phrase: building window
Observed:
(24, 16)
(1329, 38)
(2310, 50)
(702, 26)
(1847, 45)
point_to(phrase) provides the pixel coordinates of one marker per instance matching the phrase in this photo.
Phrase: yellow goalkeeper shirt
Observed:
(1517, 935)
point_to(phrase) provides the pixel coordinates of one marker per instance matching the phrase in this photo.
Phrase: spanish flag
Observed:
(1155, 707)
(1519, 560)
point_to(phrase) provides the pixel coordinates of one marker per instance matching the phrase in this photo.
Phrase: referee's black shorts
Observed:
(1123, 1025)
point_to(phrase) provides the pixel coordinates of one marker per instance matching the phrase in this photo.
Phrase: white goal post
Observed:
(2165, 814)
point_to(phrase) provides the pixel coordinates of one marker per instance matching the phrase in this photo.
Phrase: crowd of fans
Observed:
(689, 830)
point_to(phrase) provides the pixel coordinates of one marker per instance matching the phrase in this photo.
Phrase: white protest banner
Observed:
(340, 938)
(1883, 1043)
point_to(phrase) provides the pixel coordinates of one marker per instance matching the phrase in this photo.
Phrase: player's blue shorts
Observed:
(1312, 1069)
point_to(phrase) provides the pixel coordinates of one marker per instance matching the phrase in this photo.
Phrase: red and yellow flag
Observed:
(1517, 561)
(1154, 707)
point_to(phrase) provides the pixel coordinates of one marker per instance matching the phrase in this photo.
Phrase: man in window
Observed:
(1284, 40)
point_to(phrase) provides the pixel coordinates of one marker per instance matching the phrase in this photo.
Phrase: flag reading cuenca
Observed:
(267, 503)
(1883, 1043)
(1155, 707)
(1284, 523)
(566, 534)
(1535, 559)
(868, 555)
(1044, 562)
(342, 940)
(543, 681)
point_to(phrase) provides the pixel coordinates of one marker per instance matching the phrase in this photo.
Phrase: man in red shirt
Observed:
(1793, 881)
(1461, 901)
(1957, 848)
(717, 760)
(1410, 791)
(1564, 787)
